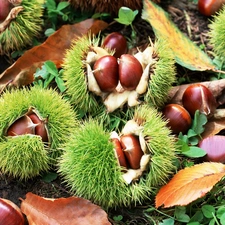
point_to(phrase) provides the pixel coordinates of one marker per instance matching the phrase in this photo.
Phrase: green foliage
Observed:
(47, 74)
(126, 16)
(187, 143)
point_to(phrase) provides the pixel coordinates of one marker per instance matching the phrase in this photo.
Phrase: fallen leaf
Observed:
(21, 72)
(66, 211)
(186, 53)
(190, 184)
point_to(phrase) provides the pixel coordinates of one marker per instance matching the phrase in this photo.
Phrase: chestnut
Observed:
(119, 152)
(10, 213)
(116, 41)
(179, 119)
(214, 147)
(106, 73)
(210, 7)
(130, 71)
(23, 125)
(132, 150)
(199, 97)
(40, 128)
(5, 8)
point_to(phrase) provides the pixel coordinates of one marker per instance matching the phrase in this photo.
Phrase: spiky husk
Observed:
(163, 76)
(75, 75)
(23, 156)
(161, 80)
(217, 33)
(23, 28)
(89, 166)
(61, 121)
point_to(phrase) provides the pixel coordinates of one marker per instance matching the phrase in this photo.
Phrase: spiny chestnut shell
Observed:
(179, 119)
(115, 41)
(130, 71)
(199, 97)
(106, 73)
(5, 8)
(210, 7)
(214, 147)
(10, 213)
(132, 150)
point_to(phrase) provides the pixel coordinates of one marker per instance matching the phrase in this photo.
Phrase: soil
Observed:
(185, 15)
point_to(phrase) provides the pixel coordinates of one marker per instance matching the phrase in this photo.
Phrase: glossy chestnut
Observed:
(106, 73)
(179, 119)
(130, 71)
(199, 97)
(132, 150)
(210, 7)
(5, 8)
(119, 152)
(116, 41)
(10, 213)
(40, 128)
(23, 125)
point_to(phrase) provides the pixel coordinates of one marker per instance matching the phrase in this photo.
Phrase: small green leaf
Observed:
(48, 81)
(62, 5)
(180, 214)
(222, 219)
(126, 15)
(198, 123)
(49, 32)
(220, 212)
(118, 218)
(49, 177)
(51, 68)
(208, 211)
(60, 84)
(41, 73)
(197, 217)
(168, 221)
(194, 152)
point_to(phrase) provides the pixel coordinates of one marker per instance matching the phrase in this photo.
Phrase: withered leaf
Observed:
(66, 211)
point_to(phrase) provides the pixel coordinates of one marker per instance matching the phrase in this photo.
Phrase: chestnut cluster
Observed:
(115, 75)
(30, 123)
(195, 97)
(128, 151)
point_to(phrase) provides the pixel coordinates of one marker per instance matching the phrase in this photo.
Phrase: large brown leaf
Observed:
(21, 72)
(190, 184)
(185, 52)
(62, 211)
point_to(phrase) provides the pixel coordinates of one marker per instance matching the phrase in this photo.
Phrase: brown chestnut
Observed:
(210, 7)
(10, 213)
(130, 71)
(214, 147)
(23, 125)
(40, 128)
(119, 152)
(179, 119)
(5, 7)
(106, 73)
(116, 41)
(199, 97)
(132, 150)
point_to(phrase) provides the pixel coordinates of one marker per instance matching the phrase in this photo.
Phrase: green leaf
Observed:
(62, 5)
(49, 32)
(198, 123)
(48, 80)
(43, 73)
(180, 214)
(49, 177)
(197, 217)
(60, 84)
(222, 219)
(168, 221)
(220, 212)
(208, 211)
(126, 15)
(51, 68)
(194, 152)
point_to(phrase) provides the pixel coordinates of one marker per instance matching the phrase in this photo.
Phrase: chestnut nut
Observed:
(179, 119)
(199, 97)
